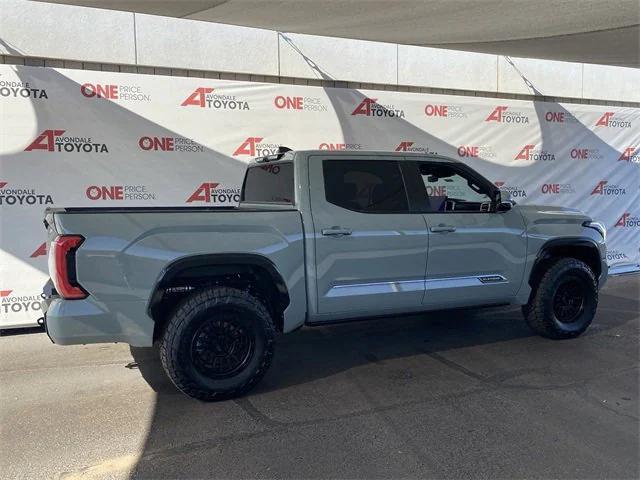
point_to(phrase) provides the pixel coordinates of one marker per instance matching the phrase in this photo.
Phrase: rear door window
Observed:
(367, 186)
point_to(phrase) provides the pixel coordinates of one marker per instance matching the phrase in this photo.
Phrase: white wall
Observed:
(44, 30)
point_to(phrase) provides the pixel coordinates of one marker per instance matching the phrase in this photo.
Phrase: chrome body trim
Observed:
(457, 282)
(376, 288)
(413, 285)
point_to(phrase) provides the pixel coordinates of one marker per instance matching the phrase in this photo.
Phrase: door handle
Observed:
(443, 228)
(336, 231)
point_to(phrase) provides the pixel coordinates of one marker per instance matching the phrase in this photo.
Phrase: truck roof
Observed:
(288, 154)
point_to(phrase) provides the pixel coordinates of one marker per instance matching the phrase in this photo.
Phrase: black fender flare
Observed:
(175, 268)
(545, 252)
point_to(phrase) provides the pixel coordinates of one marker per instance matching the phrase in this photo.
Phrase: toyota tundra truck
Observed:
(318, 237)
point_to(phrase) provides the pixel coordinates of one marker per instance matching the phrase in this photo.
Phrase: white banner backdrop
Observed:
(87, 138)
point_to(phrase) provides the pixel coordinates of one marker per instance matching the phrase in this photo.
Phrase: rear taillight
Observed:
(62, 266)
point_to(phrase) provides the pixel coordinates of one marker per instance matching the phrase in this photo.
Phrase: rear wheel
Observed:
(564, 302)
(218, 344)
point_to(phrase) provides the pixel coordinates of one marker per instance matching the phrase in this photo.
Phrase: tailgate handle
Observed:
(336, 231)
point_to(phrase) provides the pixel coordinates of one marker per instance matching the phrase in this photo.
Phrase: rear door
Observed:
(476, 255)
(370, 251)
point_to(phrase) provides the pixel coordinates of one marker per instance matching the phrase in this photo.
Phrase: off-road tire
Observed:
(540, 313)
(182, 329)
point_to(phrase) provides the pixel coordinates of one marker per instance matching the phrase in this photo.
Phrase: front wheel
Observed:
(565, 300)
(218, 344)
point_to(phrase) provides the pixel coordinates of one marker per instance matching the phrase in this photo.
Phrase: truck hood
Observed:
(536, 214)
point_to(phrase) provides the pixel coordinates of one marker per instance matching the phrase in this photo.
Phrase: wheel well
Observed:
(260, 280)
(583, 251)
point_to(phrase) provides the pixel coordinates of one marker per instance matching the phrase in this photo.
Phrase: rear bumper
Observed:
(73, 322)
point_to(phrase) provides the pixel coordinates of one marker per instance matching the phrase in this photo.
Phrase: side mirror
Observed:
(504, 203)
(503, 196)
(504, 206)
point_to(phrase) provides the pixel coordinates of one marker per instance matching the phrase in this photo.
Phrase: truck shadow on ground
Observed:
(315, 353)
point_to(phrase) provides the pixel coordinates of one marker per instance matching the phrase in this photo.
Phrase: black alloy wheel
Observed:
(221, 346)
(568, 300)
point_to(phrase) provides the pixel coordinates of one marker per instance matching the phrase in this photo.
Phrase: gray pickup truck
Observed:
(318, 237)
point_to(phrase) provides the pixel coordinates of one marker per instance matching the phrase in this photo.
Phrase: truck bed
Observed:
(125, 250)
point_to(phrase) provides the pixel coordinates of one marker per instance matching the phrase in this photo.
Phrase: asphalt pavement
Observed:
(462, 394)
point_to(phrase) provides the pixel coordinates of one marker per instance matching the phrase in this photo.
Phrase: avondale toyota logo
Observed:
(370, 107)
(529, 152)
(514, 191)
(604, 188)
(407, 146)
(204, 97)
(19, 303)
(611, 120)
(10, 196)
(54, 141)
(254, 147)
(627, 220)
(12, 89)
(211, 192)
(616, 255)
(630, 154)
(203, 193)
(502, 114)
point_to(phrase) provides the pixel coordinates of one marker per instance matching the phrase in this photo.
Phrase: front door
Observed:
(476, 254)
(370, 252)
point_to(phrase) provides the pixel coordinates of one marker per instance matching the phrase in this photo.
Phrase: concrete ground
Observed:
(451, 395)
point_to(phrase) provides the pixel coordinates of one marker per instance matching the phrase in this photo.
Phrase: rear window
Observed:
(368, 186)
(269, 183)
